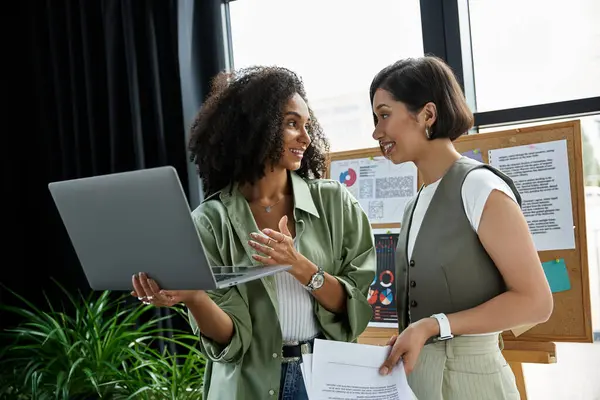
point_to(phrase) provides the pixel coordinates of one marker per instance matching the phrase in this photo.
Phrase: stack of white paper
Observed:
(349, 371)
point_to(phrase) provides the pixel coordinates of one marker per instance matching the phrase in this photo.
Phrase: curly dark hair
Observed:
(238, 131)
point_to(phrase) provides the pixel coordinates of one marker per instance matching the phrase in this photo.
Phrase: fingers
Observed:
(262, 239)
(264, 260)
(137, 287)
(261, 248)
(283, 228)
(277, 236)
(148, 291)
(153, 286)
(409, 360)
(146, 285)
(392, 340)
(395, 355)
(157, 298)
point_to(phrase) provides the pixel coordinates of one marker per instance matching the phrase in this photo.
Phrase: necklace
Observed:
(270, 207)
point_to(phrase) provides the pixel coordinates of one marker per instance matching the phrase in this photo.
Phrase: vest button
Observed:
(413, 303)
(412, 263)
(413, 283)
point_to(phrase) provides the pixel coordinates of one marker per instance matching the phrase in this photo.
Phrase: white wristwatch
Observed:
(445, 331)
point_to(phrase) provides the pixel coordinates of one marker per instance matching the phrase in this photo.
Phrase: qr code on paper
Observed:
(395, 186)
(376, 209)
(367, 187)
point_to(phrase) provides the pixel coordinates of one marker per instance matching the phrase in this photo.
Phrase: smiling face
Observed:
(400, 132)
(296, 119)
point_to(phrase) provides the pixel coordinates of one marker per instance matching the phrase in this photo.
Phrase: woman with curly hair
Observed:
(260, 153)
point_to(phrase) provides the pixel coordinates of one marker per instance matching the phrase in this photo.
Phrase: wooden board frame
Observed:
(571, 319)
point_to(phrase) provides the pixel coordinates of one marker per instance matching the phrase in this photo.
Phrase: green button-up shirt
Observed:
(332, 231)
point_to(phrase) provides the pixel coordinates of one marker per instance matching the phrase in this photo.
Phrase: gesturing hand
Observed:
(275, 247)
(148, 291)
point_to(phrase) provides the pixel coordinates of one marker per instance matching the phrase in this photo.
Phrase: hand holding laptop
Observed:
(147, 290)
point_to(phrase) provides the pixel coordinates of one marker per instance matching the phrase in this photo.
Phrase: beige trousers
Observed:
(463, 368)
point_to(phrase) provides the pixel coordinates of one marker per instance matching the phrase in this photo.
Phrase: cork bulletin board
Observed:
(555, 151)
(571, 318)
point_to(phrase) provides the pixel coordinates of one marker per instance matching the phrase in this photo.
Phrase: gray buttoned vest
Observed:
(449, 270)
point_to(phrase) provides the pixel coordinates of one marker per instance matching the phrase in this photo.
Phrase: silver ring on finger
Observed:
(269, 242)
(150, 298)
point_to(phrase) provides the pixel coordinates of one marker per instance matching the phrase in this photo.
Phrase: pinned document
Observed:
(557, 275)
(541, 174)
(381, 187)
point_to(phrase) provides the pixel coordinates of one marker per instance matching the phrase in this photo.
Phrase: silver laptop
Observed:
(139, 221)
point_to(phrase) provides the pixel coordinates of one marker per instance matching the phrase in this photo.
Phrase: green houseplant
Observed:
(97, 350)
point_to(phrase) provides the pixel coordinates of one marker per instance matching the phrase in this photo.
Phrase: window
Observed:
(336, 46)
(534, 52)
(519, 61)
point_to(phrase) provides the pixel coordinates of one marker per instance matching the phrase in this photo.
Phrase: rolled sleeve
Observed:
(357, 270)
(231, 301)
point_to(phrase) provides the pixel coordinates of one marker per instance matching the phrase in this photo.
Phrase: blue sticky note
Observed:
(557, 275)
(475, 154)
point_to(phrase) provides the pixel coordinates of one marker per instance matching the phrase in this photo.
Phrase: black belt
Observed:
(293, 351)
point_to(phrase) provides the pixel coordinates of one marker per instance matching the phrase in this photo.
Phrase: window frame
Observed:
(446, 34)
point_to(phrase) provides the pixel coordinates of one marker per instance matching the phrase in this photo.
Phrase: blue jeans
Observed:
(292, 383)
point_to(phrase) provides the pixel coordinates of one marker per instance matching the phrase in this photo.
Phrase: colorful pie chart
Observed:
(386, 278)
(386, 297)
(372, 297)
(348, 177)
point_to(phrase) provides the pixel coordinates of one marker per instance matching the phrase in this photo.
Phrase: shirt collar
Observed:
(303, 199)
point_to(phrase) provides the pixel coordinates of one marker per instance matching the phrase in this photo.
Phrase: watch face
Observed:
(318, 281)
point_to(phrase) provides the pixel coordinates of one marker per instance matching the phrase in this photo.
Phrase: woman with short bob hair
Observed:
(466, 263)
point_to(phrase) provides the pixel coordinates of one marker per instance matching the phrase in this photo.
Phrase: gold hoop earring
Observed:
(427, 133)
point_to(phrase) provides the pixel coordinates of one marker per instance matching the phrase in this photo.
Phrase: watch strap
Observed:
(444, 323)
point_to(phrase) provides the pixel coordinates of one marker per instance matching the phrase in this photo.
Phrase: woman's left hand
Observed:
(275, 247)
(408, 345)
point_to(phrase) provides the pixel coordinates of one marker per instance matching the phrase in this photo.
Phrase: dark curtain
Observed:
(93, 87)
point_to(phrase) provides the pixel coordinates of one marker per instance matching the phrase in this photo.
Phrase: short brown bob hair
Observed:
(418, 81)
